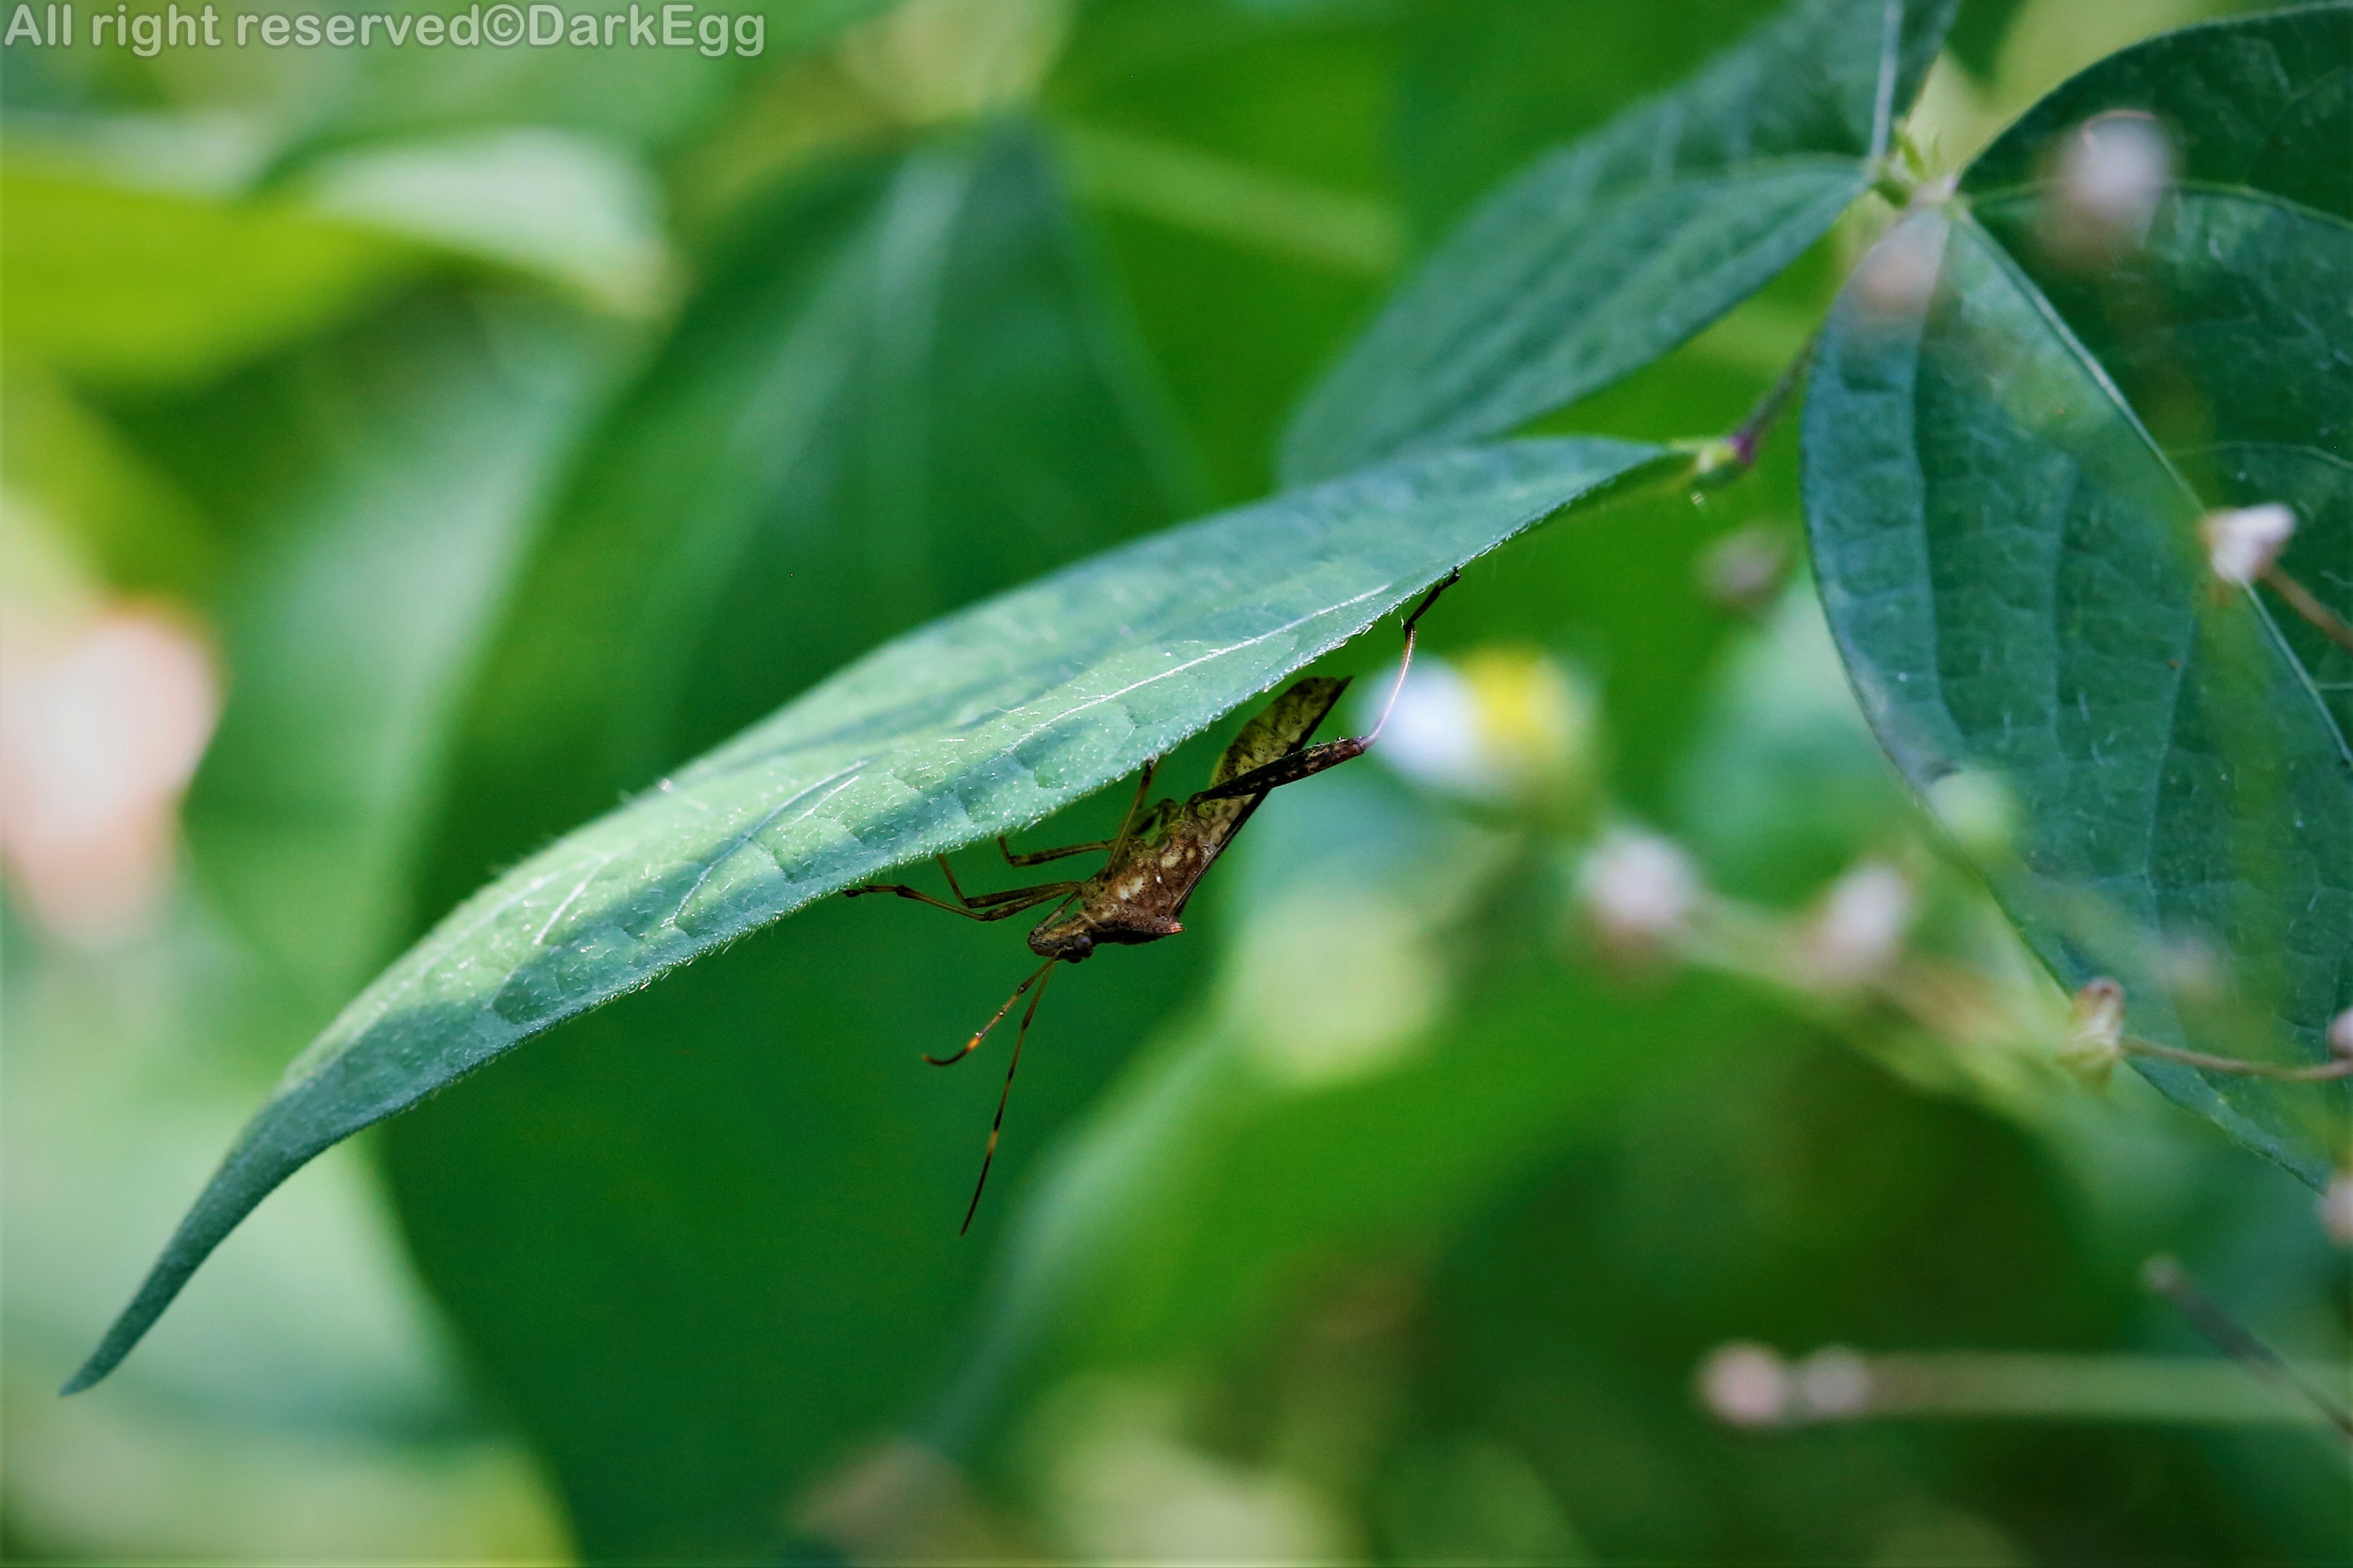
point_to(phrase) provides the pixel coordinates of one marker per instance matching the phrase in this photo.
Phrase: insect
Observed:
(1158, 858)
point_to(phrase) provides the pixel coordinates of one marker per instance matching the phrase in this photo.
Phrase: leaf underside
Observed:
(2005, 470)
(976, 725)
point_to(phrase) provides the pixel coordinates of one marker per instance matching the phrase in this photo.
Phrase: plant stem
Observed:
(2307, 605)
(1726, 458)
(2322, 1072)
(2165, 1277)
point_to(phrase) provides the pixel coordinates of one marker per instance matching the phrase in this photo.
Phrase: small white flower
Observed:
(1834, 1382)
(2241, 543)
(2094, 1042)
(1862, 924)
(2337, 1208)
(1504, 723)
(2111, 175)
(1640, 890)
(1432, 736)
(1744, 1384)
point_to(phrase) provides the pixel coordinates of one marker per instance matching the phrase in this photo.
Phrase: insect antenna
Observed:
(997, 1126)
(973, 1044)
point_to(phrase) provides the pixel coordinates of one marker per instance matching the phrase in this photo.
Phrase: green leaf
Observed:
(1486, 86)
(412, 455)
(136, 287)
(1272, 103)
(575, 212)
(899, 388)
(1612, 251)
(2008, 447)
(629, 93)
(980, 723)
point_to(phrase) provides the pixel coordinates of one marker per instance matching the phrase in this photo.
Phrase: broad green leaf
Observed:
(575, 212)
(412, 457)
(140, 287)
(1486, 86)
(898, 389)
(985, 721)
(66, 463)
(2008, 447)
(1610, 251)
(1269, 102)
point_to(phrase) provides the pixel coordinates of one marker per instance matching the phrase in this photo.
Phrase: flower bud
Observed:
(1638, 891)
(1978, 810)
(1860, 926)
(1834, 1383)
(2107, 180)
(1897, 278)
(2241, 543)
(2337, 1208)
(1744, 1384)
(1741, 571)
(2095, 1043)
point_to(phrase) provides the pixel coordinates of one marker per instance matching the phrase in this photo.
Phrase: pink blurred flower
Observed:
(101, 730)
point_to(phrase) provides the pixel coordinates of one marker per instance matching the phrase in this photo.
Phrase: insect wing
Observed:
(1281, 728)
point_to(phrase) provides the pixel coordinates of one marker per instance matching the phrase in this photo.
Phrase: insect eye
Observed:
(1082, 947)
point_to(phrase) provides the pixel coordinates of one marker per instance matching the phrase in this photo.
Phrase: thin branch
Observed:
(2307, 603)
(2323, 1072)
(1722, 461)
(2167, 1279)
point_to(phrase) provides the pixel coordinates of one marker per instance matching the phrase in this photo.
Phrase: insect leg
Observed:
(1310, 761)
(997, 1126)
(1127, 825)
(1039, 856)
(1405, 662)
(987, 906)
(1126, 829)
(996, 1018)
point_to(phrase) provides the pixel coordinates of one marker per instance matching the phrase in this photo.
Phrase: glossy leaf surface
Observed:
(2010, 445)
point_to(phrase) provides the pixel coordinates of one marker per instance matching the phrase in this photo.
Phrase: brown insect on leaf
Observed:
(1159, 856)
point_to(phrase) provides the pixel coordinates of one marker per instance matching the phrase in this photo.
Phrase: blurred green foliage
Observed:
(1389, 1213)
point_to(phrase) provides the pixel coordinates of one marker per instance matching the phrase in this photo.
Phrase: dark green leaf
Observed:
(1978, 33)
(2009, 448)
(1612, 251)
(1485, 87)
(415, 455)
(1238, 317)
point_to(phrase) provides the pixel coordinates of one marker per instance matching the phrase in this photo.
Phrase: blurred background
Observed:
(1604, 1128)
